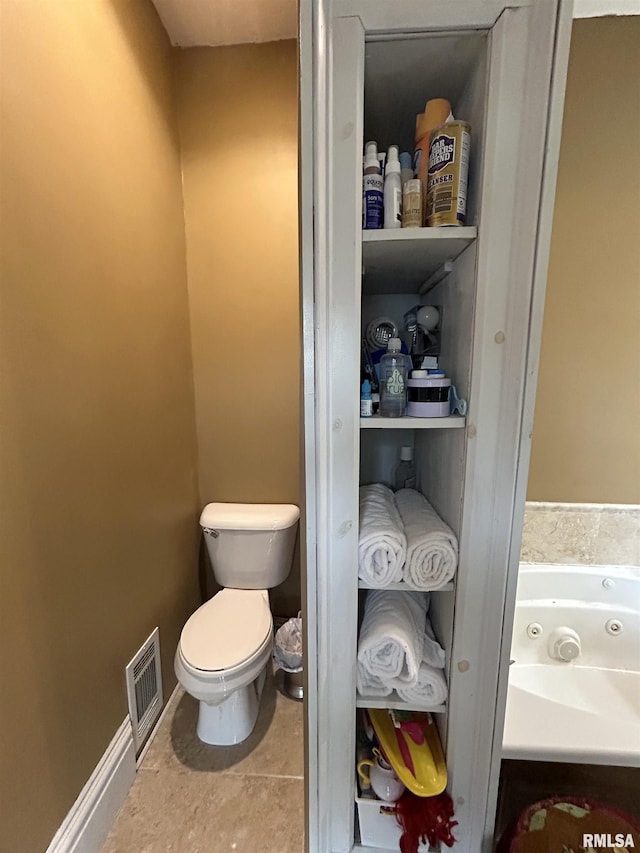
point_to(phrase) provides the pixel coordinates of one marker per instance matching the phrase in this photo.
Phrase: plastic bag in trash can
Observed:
(289, 645)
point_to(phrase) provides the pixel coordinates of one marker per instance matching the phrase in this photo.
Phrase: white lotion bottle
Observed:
(392, 190)
(405, 472)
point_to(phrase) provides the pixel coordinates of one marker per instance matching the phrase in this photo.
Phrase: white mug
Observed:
(382, 778)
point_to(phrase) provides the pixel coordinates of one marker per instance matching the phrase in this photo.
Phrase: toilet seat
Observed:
(227, 633)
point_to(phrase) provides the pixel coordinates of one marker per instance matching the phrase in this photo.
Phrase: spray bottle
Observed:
(392, 190)
(372, 187)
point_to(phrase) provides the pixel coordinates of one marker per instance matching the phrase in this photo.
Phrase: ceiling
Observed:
(192, 23)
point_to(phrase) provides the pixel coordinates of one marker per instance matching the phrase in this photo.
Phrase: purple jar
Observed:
(428, 395)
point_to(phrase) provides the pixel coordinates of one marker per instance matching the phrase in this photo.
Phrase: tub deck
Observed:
(586, 710)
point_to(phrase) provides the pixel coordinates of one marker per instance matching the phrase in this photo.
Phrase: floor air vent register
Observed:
(144, 688)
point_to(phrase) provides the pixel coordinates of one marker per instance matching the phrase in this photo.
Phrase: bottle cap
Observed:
(405, 161)
(406, 454)
(419, 374)
(371, 155)
(436, 112)
(435, 374)
(429, 361)
(366, 387)
(393, 164)
(394, 345)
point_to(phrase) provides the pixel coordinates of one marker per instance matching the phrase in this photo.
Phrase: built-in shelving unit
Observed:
(378, 422)
(436, 266)
(403, 259)
(399, 268)
(497, 66)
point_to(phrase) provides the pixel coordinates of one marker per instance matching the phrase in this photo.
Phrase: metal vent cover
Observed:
(144, 688)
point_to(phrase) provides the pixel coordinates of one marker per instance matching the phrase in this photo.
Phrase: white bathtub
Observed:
(586, 709)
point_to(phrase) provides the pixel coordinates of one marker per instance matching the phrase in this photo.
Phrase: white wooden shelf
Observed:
(402, 586)
(400, 260)
(396, 703)
(378, 422)
(361, 848)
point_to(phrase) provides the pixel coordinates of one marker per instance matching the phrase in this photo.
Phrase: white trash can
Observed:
(288, 656)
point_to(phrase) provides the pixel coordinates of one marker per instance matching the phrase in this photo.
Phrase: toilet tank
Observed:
(250, 545)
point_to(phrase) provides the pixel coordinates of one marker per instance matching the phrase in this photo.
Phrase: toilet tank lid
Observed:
(219, 516)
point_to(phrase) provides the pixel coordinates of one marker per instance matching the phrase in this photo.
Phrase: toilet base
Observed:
(233, 720)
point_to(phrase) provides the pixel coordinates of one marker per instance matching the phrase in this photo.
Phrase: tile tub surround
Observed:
(190, 797)
(581, 534)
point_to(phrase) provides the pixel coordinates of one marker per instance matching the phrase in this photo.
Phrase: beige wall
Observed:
(238, 126)
(586, 445)
(99, 500)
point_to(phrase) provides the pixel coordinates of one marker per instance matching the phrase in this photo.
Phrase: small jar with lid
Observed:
(428, 394)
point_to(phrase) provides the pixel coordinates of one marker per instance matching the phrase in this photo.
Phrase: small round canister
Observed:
(428, 395)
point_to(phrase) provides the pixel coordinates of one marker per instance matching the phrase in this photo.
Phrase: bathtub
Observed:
(574, 678)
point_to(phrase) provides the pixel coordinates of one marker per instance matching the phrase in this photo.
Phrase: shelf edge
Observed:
(407, 235)
(402, 587)
(378, 422)
(394, 703)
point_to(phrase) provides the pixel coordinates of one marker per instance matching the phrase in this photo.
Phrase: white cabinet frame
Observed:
(528, 57)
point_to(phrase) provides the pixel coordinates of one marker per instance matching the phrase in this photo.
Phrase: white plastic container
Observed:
(379, 827)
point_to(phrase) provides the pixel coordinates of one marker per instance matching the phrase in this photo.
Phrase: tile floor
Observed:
(192, 798)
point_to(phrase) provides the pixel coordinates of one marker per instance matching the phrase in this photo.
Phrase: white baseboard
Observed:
(87, 825)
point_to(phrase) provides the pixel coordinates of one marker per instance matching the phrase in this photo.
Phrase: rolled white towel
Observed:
(370, 685)
(431, 686)
(433, 653)
(391, 641)
(382, 544)
(432, 546)
(430, 689)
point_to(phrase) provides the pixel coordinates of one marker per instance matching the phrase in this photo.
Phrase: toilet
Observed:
(225, 646)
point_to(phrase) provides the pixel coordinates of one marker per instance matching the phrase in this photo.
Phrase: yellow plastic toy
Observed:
(413, 749)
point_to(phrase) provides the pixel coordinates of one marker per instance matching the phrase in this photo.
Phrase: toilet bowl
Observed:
(226, 645)
(221, 660)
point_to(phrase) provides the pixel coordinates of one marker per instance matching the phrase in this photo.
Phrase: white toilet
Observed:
(226, 645)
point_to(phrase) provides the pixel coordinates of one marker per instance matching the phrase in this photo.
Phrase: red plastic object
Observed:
(425, 819)
(564, 830)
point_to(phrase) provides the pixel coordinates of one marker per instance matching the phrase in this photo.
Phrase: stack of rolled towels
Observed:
(397, 649)
(402, 538)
